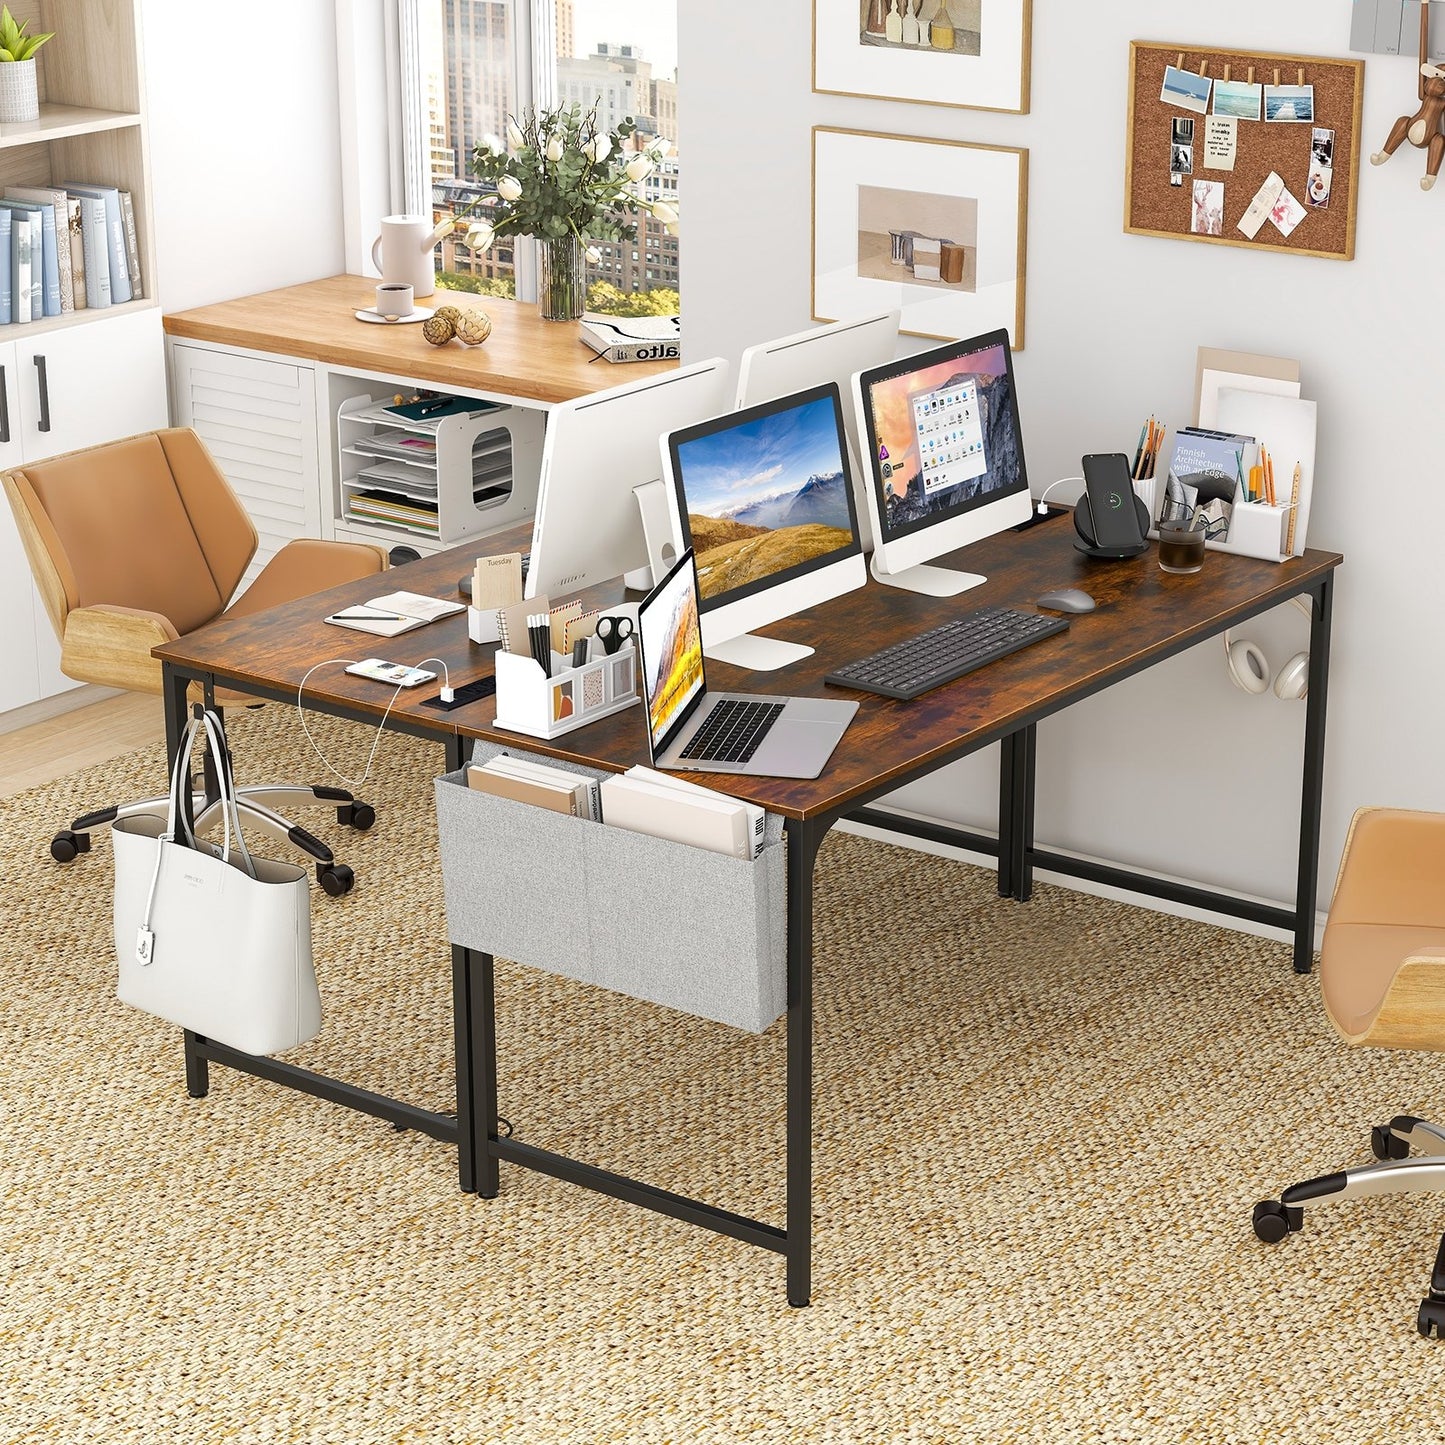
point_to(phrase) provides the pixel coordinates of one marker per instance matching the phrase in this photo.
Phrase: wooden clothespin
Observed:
(1251, 75)
(1227, 69)
(1179, 64)
(1301, 79)
(1276, 75)
(1203, 66)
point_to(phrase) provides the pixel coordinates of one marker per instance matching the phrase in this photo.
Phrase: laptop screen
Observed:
(670, 636)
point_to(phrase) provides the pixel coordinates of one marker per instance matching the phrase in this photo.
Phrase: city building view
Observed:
(469, 82)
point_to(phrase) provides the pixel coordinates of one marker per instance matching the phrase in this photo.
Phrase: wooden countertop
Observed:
(524, 358)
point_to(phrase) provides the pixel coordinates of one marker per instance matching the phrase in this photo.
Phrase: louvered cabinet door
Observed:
(257, 415)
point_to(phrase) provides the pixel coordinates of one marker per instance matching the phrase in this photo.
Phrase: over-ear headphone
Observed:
(1250, 668)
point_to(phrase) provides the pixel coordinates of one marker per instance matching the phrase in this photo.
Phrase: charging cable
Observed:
(357, 785)
(1043, 510)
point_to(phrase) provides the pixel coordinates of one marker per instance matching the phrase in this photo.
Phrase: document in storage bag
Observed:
(214, 939)
(711, 822)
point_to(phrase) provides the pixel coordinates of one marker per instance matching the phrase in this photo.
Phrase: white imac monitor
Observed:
(835, 352)
(597, 450)
(945, 460)
(765, 500)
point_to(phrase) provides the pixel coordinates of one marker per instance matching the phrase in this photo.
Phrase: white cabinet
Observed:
(60, 391)
(257, 417)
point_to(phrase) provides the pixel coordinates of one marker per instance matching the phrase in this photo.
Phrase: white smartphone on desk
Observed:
(398, 674)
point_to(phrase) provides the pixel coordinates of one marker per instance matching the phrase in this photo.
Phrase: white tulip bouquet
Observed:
(563, 179)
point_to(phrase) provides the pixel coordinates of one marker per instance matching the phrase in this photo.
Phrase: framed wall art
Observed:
(935, 227)
(971, 53)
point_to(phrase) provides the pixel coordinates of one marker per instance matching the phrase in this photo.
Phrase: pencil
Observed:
(1269, 480)
(1139, 451)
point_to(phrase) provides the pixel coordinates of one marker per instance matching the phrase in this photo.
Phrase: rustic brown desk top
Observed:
(524, 357)
(1143, 615)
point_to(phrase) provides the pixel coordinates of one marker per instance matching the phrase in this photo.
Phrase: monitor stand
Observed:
(931, 581)
(757, 654)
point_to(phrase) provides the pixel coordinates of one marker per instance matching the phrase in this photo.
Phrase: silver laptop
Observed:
(690, 729)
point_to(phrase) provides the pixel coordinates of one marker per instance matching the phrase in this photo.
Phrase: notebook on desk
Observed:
(394, 614)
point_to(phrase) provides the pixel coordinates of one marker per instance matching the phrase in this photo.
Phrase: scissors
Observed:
(614, 631)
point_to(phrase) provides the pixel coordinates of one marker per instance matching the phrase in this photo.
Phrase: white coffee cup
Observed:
(394, 298)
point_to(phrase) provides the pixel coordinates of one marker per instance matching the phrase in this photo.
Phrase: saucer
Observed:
(371, 314)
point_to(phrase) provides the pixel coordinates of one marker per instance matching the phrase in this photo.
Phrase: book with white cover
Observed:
(757, 817)
(116, 263)
(21, 264)
(680, 817)
(61, 202)
(632, 338)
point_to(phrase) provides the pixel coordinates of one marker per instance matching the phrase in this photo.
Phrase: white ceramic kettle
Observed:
(403, 252)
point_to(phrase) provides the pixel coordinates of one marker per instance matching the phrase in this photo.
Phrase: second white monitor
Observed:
(598, 449)
(836, 352)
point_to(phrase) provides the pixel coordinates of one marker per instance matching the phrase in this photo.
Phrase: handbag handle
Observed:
(178, 828)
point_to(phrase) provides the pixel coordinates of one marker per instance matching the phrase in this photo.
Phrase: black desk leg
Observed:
(1018, 754)
(482, 1030)
(462, 984)
(1312, 787)
(803, 842)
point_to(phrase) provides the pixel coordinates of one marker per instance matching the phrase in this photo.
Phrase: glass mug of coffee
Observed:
(1181, 547)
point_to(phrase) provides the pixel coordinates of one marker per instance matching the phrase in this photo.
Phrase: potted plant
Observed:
(566, 181)
(19, 95)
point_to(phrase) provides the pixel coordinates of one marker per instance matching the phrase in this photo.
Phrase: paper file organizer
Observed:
(528, 701)
(684, 927)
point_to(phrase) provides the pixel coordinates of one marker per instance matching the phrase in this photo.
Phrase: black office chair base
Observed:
(1397, 1172)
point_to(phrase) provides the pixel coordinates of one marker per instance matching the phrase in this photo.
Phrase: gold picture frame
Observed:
(988, 67)
(945, 240)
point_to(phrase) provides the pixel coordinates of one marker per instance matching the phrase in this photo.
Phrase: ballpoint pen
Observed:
(1139, 450)
(370, 617)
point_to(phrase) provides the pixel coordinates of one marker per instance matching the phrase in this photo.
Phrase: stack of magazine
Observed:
(68, 247)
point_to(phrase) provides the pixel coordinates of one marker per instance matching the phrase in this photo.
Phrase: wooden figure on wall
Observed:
(1423, 128)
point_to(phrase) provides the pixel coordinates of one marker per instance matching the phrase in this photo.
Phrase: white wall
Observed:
(1112, 326)
(244, 148)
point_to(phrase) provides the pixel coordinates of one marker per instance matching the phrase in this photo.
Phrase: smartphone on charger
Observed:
(398, 674)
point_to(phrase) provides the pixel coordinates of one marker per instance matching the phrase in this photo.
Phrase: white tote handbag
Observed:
(213, 939)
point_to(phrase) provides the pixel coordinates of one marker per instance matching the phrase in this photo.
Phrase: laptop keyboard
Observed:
(732, 731)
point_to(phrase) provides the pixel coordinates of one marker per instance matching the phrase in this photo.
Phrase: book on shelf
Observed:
(6, 242)
(45, 289)
(631, 338)
(115, 257)
(96, 264)
(394, 614)
(132, 245)
(20, 266)
(377, 506)
(64, 264)
(77, 250)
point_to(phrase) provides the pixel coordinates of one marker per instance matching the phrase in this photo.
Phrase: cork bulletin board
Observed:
(1161, 197)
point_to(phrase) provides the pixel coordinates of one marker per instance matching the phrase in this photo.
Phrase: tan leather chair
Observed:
(1382, 975)
(141, 541)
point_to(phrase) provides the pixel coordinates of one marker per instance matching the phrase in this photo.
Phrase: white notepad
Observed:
(394, 614)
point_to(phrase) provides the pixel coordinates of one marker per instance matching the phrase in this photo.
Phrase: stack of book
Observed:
(66, 248)
(632, 338)
(524, 781)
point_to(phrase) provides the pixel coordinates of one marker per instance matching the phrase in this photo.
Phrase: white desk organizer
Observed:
(484, 624)
(546, 707)
(1255, 528)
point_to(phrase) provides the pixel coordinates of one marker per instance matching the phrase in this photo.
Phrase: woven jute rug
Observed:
(1039, 1132)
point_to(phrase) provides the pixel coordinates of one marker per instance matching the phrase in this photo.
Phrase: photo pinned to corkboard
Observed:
(1243, 149)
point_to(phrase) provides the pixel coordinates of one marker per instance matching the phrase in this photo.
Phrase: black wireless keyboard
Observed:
(915, 665)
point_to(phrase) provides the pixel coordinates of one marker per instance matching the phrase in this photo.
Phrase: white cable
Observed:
(356, 787)
(1043, 510)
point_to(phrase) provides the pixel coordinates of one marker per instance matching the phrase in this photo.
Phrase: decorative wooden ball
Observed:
(438, 330)
(473, 327)
(449, 313)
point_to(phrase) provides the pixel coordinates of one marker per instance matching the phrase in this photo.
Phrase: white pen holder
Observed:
(528, 701)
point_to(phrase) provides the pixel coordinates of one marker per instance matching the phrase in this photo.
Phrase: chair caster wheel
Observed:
(1384, 1144)
(338, 880)
(1431, 1318)
(358, 815)
(1273, 1220)
(65, 845)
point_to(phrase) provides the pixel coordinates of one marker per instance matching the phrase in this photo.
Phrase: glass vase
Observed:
(562, 280)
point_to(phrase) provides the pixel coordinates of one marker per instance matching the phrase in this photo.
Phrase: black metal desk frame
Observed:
(1017, 857)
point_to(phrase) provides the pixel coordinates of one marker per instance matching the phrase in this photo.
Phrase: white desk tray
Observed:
(546, 707)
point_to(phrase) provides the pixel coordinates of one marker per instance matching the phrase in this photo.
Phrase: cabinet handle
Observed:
(4, 406)
(44, 394)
